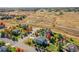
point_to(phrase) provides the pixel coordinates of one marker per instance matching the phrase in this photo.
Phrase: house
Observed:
(41, 41)
(2, 25)
(3, 49)
(70, 47)
(16, 32)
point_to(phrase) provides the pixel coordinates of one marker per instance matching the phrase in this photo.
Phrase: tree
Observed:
(2, 43)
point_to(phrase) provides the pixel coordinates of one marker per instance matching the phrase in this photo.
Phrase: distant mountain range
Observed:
(7, 9)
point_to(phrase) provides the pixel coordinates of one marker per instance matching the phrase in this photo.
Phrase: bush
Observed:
(52, 40)
(51, 48)
(2, 43)
(11, 49)
(16, 32)
(29, 41)
(14, 38)
(2, 34)
(74, 41)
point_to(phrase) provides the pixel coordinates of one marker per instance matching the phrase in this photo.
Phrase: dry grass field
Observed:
(67, 22)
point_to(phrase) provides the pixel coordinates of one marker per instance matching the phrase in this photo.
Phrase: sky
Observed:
(39, 3)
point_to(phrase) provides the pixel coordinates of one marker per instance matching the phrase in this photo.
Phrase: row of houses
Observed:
(10, 17)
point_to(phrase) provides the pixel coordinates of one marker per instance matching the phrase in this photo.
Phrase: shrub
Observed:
(16, 32)
(52, 40)
(29, 41)
(51, 48)
(14, 38)
(2, 43)
(11, 49)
